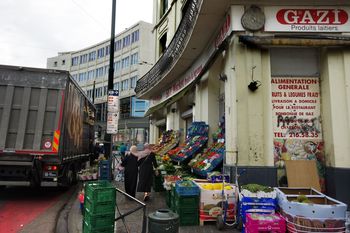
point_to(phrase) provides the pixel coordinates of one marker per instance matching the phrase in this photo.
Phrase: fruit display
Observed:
(258, 191)
(215, 186)
(209, 159)
(198, 128)
(170, 180)
(190, 148)
(166, 142)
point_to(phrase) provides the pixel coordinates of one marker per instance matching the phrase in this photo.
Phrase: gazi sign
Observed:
(307, 19)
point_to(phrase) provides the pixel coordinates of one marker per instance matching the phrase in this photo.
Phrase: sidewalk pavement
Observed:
(134, 220)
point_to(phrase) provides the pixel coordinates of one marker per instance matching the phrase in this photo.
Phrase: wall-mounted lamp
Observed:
(254, 84)
(222, 77)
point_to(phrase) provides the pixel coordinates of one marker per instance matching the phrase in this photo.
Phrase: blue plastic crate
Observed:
(256, 205)
(186, 190)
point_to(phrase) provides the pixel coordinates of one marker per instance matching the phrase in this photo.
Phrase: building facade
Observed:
(276, 71)
(133, 57)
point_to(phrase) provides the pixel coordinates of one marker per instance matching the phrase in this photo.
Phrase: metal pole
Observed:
(108, 137)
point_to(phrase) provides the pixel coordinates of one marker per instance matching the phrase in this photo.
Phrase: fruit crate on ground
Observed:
(104, 172)
(186, 201)
(100, 208)
(188, 216)
(100, 191)
(186, 188)
(87, 228)
(95, 222)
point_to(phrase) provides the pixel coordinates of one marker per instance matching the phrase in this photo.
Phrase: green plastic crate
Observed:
(99, 221)
(158, 184)
(186, 201)
(100, 191)
(100, 208)
(188, 216)
(168, 198)
(87, 228)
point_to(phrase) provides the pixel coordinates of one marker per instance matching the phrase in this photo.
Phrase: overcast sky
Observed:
(33, 30)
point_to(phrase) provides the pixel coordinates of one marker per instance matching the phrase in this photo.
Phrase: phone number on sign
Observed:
(303, 135)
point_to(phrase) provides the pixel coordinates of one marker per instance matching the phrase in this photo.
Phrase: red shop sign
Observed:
(312, 16)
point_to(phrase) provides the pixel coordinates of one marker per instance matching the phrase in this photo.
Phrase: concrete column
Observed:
(335, 90)
(254, 121)
(153, 134)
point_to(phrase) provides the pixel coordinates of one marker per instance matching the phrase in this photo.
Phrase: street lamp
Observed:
(108, 137)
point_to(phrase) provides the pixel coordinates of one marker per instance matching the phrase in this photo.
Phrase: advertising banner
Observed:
(296, 107)
(296, 119)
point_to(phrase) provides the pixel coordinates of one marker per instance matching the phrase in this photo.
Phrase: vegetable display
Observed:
(209, 159)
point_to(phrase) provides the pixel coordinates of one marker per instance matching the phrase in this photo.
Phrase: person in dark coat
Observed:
(146, 161)
(130, 171)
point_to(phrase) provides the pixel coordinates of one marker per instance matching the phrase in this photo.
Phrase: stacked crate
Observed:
(104, 172)
(185, 202)
(99, 207)
(255, 205)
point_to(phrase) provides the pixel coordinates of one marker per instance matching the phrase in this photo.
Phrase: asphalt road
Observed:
(29, 210)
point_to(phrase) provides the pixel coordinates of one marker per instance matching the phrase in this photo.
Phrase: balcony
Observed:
(197, 27)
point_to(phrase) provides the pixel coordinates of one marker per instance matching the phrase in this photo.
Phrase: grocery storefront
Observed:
(276, 75)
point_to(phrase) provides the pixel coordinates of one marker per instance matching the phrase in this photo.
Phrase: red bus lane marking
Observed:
(15, 214)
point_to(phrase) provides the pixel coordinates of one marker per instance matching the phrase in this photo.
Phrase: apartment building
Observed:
(133, 57)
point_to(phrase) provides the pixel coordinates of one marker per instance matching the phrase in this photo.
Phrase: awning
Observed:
(169, 101)
(296, 40)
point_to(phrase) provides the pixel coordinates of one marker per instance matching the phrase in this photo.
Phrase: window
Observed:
(162, 44)
(163, 7)
(125, 62)
(75, 61)
(92, 56)
(139, 107)
(117, 66)
(125, 85)
(105, 88)
(99, 72)
(116, 86)
(134, 59)
(126, 41)
(100, 53)
(63, 62)
(90, 75)
(55, 64)
(135, 36)
(133, 82)
(82, 77)
(118, 45)
(108, 50)
(106, 69)
(83, 58)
